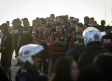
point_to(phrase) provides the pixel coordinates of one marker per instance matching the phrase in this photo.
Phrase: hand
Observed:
(73, 32)
(80, 44)
(57, 40)
(77, 42)
(3, 48)
(37, 39)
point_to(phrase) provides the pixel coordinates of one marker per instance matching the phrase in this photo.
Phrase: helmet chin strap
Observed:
(30, 60)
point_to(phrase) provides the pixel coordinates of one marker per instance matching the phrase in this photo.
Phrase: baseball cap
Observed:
(25, 19)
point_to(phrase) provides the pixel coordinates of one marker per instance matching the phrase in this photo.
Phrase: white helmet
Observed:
(91, 34)
(27, 51)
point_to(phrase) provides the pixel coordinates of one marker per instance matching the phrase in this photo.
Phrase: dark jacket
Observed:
(89, 54)
(6, 42)
(28, 73)
(3, 76)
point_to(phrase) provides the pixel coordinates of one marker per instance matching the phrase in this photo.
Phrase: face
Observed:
(58, 29)
(41, 30)
(33, 22)
(36, 61)
(59, 19)
(37, 23)
(108, 31)
(73, 25)
(79, 29)
(47, 31)
(15, 24)
(74, 71)
(7, 23)
(49, 21)
(19, 22)
(52, 17)
(25, 22)
(2, 29)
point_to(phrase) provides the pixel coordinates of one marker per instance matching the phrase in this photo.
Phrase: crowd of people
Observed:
(75, 51)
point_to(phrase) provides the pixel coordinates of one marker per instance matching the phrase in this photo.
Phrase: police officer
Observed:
(29, 55)
(93, 43)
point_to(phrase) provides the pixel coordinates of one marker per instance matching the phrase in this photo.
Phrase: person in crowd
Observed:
(77, 19)
(35, 29)
(3, 75)
(52, 16)
(71, 31)
(102, 27)
(30, 55)
(33, 23)
(92, 20)
(8, 24)
(58, 43)
(65, 70)
(9, 28)
(60, 19)
(25, 34)
(49, 22)
(42, 39)
(93, 44)
(107, 39)
(87, 22)
(104, 62)
(6, 49)
(78, 42)
(20, 22)
(48, 33)
(15, 37)
(90, 73)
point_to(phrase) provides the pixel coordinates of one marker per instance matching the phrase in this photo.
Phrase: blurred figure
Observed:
(87, 22)
(77, 41)
(102, 27)
(107, 39)
(3, 75)
(9, 28)
(29, 55)
(42, 39)
(25, 34)
(90, 73)
(15, 37)
(65, 70)
(35, 30)
(49, 23)
(8, 24)
(6, 49)
(71, 31)
(33, 23)
(60, 19)
(92, 20)
(93, 44)
(52, 16)
(19, 21)
(104, 62)
(58, 43)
